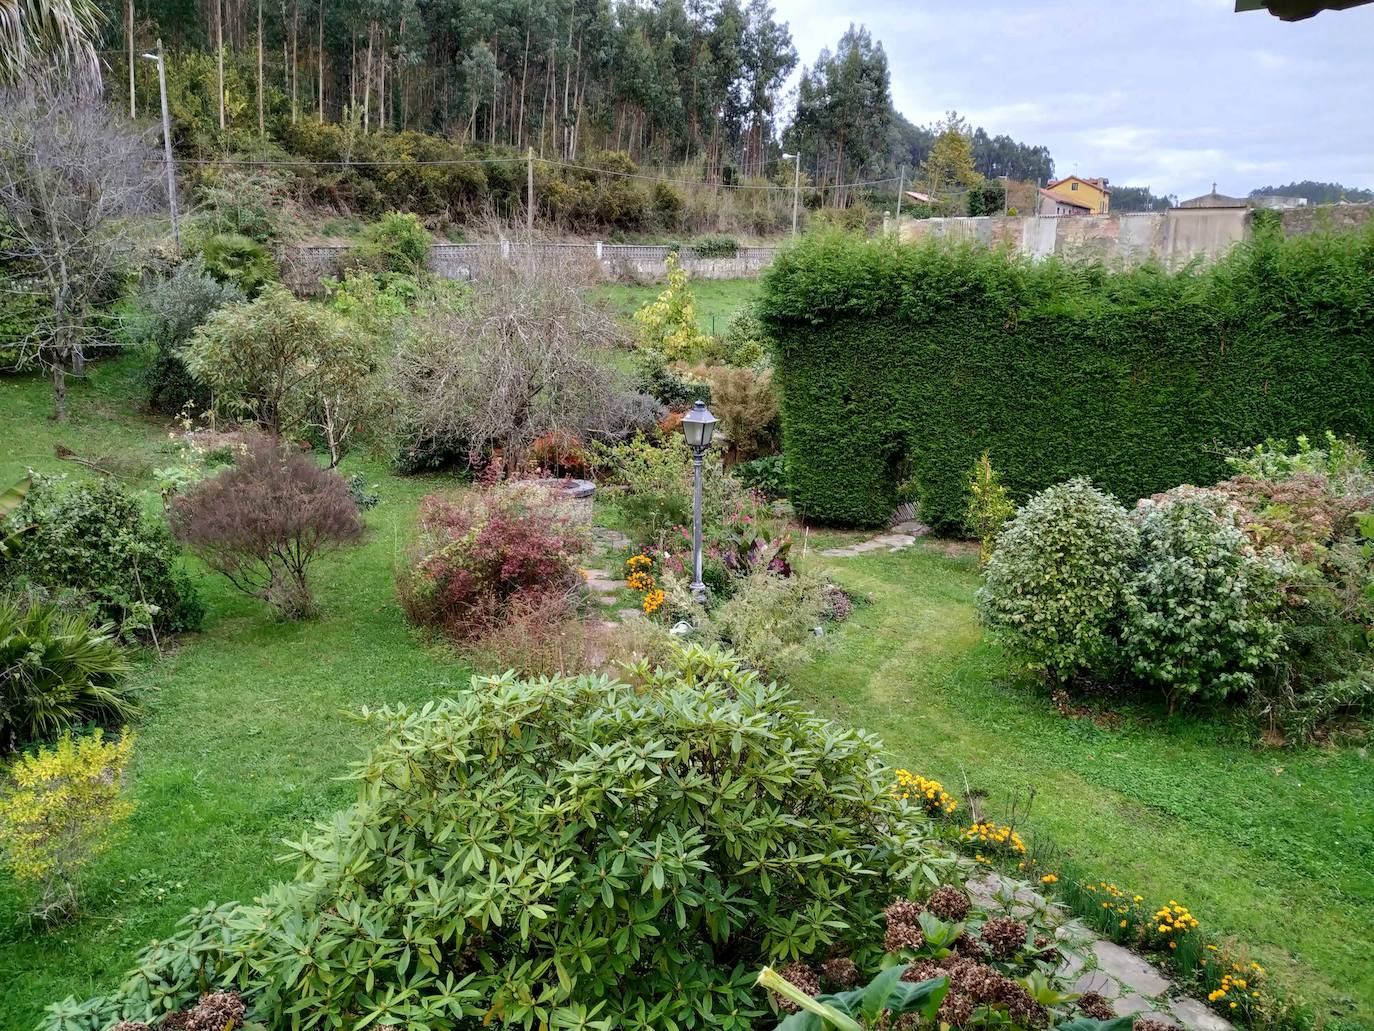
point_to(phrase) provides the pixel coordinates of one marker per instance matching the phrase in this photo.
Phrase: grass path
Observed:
(246, 729)
(1273, 847)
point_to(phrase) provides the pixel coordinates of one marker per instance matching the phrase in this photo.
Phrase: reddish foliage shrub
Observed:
(263, 521)
(487, 555)
(559, 453)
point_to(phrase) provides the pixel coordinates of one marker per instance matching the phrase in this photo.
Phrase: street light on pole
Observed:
(698, 427)
(167, 143)
(796, 186)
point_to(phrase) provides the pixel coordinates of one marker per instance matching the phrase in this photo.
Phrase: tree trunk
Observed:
(59, 388)
(133, 100)
(319, 55)
(219, 58)
(262, 129)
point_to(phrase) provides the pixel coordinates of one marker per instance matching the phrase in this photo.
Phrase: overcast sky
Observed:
(1170, 94)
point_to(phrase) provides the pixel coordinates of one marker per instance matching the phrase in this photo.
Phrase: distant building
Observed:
(1093, 194)
(1273, 200)
(1214, 200)
(1054, 204)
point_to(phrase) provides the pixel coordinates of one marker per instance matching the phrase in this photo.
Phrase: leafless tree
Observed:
(73, 174)
(526, 356)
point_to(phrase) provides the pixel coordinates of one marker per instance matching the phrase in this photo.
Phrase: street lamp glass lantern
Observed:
(699, 426)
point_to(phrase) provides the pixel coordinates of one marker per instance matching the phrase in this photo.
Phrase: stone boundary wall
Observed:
(1175, 236)
(587, 261)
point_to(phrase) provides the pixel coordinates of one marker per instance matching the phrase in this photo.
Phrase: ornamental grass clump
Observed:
(58, 812)
(631, 849)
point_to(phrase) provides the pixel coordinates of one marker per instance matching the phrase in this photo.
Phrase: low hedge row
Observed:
(901, 364)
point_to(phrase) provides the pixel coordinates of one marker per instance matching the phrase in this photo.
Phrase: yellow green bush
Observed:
(60, 811)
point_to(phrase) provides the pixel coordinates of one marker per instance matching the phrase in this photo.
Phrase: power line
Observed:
(440, 162)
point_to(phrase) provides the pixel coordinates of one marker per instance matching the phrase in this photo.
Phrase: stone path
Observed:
(1124, 979)
(902, 535)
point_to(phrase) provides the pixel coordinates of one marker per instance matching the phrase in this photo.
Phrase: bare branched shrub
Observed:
(263, 522)
(72, 173)
(527, 356)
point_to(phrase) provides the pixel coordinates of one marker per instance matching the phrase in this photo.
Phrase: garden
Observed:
(332, 700)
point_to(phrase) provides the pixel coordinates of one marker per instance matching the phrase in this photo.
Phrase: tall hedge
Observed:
(903, 363)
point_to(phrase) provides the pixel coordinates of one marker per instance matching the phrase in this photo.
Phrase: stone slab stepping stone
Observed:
(1097, 981)
(1129, 969)
(625, 614)
(1129, 1004)
(1196, 1017)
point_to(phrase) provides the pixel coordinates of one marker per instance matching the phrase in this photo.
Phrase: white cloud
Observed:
(1172, 94)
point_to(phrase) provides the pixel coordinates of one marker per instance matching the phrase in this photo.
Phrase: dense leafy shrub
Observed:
(289, 365)
(633, 850)
(771, 619)
(398, 243)
(767, 475)
(93, 548)
(669, 383)
(745, 341)
(244, 201)
(668, 324)
(57, 670)
(57, 812)
(167, 311)
(487, 553)
(1059, 579)
(1201, 606)
(897, 360)
(715, 246)
(242, 263)
(264, 521)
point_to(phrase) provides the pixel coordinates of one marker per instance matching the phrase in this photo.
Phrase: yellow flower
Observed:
(1123, 923)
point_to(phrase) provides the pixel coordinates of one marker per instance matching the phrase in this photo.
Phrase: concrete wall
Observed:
(1175, 237)
(587, 262)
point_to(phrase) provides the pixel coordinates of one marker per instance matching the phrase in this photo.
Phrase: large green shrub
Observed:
(900, 361)
(167, 312)
(1200, 614)
(92, 547)
(1059, 579)
(398, 243)
(57, 670)
(537, 852)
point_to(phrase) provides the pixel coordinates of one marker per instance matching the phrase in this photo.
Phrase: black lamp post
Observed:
(698, 427)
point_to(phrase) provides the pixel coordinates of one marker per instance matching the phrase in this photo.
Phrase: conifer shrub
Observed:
(556, 850)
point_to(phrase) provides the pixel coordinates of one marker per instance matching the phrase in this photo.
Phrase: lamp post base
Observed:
(698, 590)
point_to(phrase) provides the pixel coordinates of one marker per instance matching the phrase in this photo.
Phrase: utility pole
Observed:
(901, 189)
(133, 101)
(796, 188)
(167, 144)
(529, 192)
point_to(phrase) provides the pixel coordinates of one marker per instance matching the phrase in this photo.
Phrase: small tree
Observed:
(57, 814)
(263, 522)
(949, 167)
(989, 506)
(72, 172)
(289, 365)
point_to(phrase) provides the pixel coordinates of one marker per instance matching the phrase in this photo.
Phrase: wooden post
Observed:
(529, 192)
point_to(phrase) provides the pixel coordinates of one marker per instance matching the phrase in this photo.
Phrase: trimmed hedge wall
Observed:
(902, 363)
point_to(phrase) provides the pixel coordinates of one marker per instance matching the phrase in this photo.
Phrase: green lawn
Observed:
(246, 731)
(1274, 847)
(716, 299)
(246, 728)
